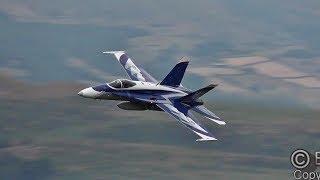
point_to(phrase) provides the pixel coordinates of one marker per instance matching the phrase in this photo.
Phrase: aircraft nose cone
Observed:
(89, 93)
(80, 93)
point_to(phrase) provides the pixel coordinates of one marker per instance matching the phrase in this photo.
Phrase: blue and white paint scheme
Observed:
(144, 92)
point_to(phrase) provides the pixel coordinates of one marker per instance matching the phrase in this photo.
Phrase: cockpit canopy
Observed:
(122, 83)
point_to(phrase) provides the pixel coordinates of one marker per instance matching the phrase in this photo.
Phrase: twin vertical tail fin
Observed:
(175, 76)
(194, 96)
(174, 79)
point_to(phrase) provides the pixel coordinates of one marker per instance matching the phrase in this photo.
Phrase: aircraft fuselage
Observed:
(133, 91)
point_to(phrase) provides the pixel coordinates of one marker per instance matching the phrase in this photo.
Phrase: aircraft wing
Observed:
(182, 114)
(134, 72)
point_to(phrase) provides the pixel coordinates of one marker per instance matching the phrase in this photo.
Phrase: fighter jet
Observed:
(144, 92)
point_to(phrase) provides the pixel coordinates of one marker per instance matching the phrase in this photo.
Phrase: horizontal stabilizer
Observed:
(175, 76)
(197, 94)
(202, 110)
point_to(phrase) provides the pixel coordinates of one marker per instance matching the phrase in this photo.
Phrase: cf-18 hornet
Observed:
(143, 92)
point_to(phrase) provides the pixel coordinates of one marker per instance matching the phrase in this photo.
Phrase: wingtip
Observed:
(112, 52)
(207, 139)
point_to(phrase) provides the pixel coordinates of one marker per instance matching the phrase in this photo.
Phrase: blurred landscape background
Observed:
(265, 56)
